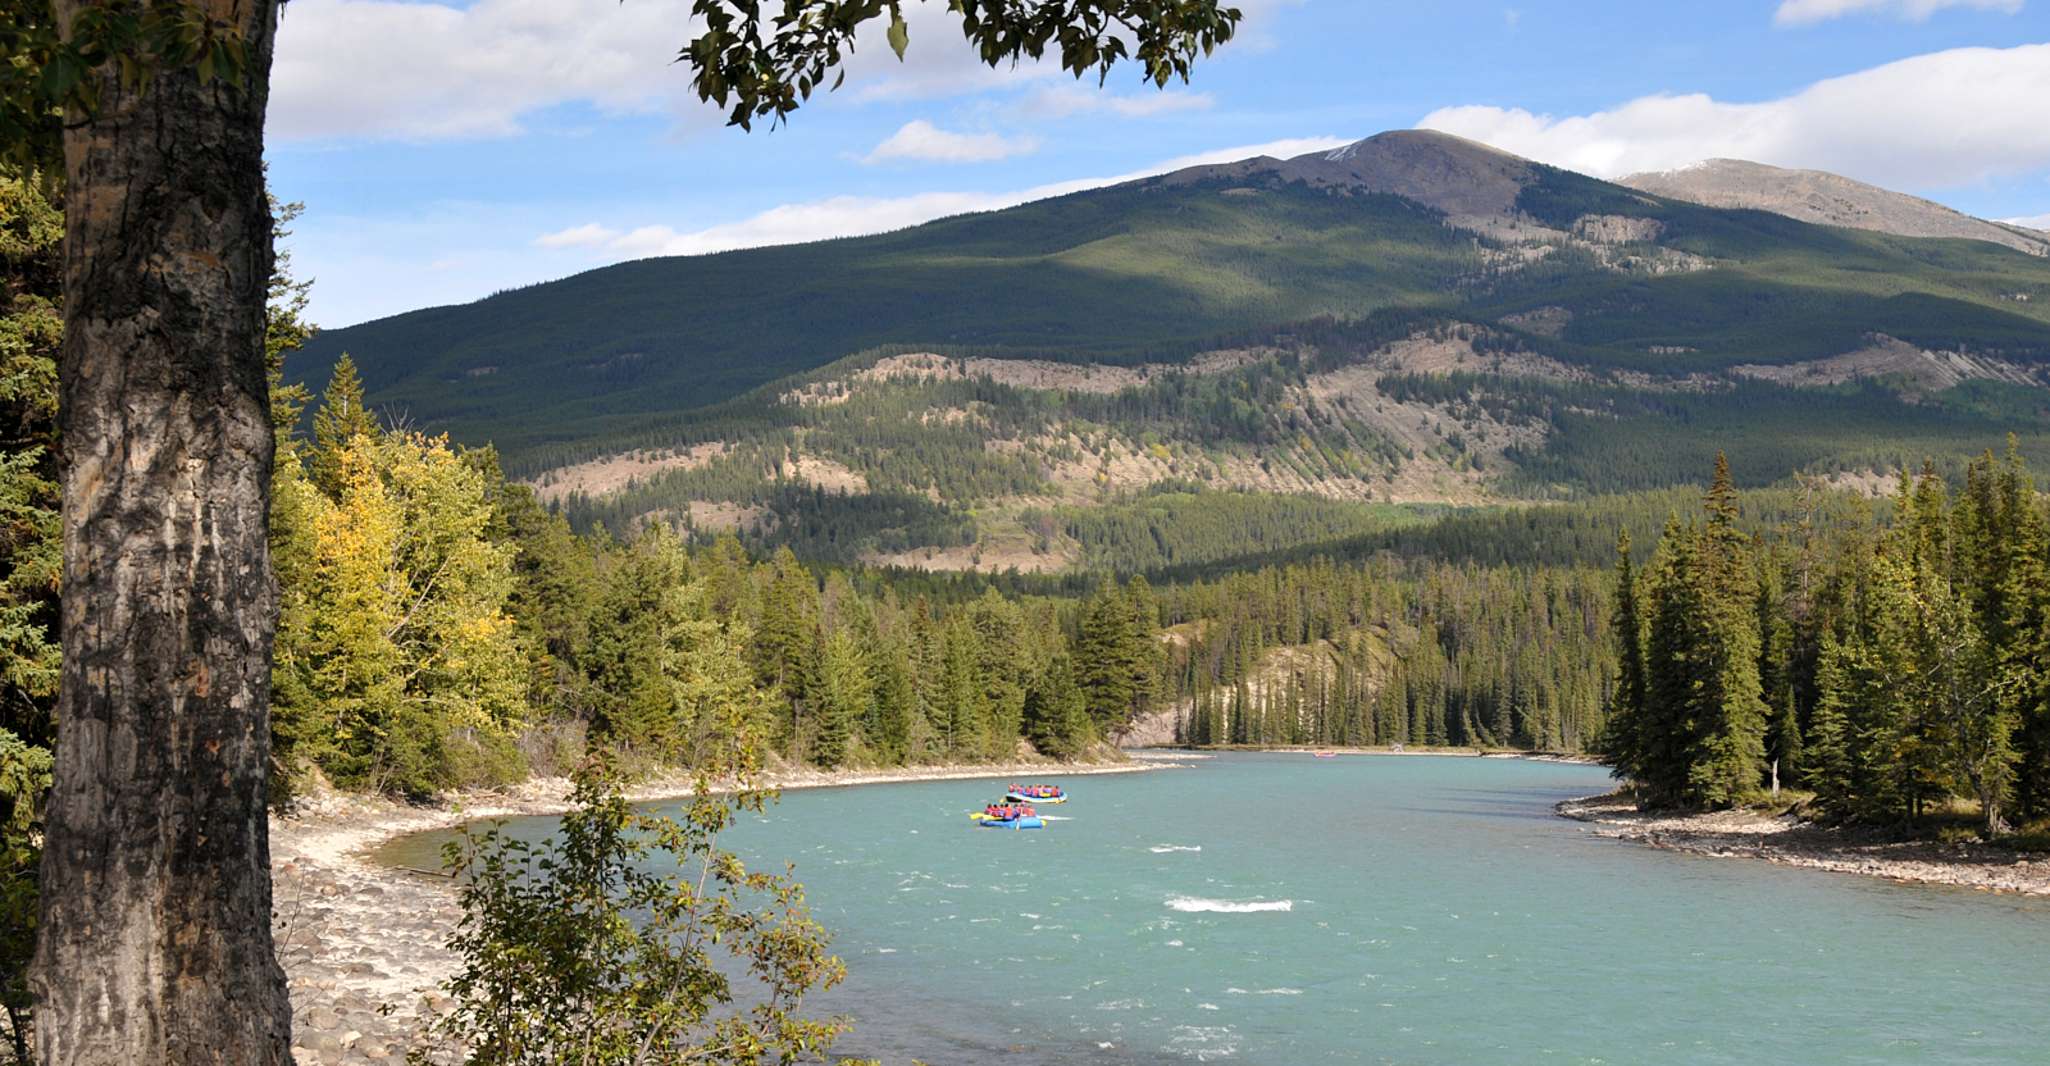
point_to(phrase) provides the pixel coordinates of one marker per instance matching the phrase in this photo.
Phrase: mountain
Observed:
(1468, 181)
(1829, 200)
(1317, 433)
(1598, 278)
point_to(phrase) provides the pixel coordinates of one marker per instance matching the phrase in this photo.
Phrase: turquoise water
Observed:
(1279, 909)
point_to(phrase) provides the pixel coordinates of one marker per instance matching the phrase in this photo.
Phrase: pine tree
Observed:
(1829, 757)
(961, 710)
(1671, 649)
(31, 565)
(1110, 665)
(2021, 640)
(1623, 740)
(1889, 760)
(788, 639)
(844, 698)
(1728, 714)
(1056, 713)
(341, 419)
(1776, 677)
(896, 702)
(998, 633)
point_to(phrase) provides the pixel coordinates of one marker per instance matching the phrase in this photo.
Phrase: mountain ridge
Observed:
(1830, 199)
(1162, 269)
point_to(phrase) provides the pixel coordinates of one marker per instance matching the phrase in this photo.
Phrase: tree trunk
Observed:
(1990, 818)
(155, 943)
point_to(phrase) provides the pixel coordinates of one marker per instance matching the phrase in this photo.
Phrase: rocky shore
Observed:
(362, 943)
(1792, 841)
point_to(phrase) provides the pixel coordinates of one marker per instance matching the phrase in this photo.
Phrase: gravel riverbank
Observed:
(1791, 841)
(362, 943)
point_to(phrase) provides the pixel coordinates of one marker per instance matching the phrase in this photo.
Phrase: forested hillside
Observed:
(1298, 439)
(1163, 269)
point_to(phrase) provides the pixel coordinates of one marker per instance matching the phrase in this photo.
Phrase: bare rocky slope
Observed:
(1830, 200)
(1465, 179)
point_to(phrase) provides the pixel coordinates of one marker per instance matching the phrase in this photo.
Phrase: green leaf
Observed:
(900, 34)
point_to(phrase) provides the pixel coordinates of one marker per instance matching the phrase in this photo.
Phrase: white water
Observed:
(1196, 905)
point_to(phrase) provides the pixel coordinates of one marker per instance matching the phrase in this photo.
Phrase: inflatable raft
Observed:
(1030, 821)
(1024, 796)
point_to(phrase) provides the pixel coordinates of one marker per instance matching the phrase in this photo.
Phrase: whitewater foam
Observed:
(1193, 904)
(1162, 849)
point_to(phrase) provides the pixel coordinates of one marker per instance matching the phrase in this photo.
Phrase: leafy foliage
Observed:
(24, 778)
(49, 63)
(396, 658)
(31, 231)
(577, 950)
(767, 66)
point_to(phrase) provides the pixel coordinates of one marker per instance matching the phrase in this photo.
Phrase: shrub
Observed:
(605, 946)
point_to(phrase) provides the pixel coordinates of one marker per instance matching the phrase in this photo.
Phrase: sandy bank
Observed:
(361, 943)
(1790, 841)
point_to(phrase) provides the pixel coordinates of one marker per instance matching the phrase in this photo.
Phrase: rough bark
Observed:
(155, 942)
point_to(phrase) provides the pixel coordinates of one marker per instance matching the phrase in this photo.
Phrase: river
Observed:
(1279, 909)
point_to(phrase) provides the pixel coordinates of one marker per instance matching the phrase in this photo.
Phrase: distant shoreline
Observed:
(1575, 758)
(1791, 841)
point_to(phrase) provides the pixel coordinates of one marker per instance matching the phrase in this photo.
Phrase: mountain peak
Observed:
(1828, 199)
(1463, 178)
(1412, 141)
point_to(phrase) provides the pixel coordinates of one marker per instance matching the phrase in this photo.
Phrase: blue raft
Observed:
(1030, 821)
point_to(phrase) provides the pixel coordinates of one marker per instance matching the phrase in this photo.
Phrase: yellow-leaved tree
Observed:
(398, 667)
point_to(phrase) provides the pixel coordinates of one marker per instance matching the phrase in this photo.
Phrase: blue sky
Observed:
(446, 151)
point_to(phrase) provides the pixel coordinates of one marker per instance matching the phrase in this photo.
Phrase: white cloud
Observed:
(1804, 12)
(1942, 119)
(425, 71)
(836, 216)
(921, 141)
(589, 235)
(1284, 148)
(431, 70)
(2041, 221)
(418, 70)
(853, 216)
(938, 63)
(1061, 101)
